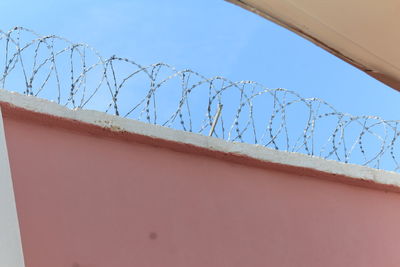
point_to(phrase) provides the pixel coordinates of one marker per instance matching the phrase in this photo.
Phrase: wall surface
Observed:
(87, 197)
(10, 239)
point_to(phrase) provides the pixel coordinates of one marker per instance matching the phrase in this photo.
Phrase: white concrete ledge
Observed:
(256, 152)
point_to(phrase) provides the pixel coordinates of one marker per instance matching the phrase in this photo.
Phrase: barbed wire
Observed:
(77, 76)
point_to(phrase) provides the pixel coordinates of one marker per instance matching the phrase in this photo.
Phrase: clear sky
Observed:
(212, 37)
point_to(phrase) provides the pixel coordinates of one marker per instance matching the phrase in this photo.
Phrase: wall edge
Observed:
(255, 152)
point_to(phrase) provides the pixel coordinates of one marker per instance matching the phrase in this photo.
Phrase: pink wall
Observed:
(90, 199)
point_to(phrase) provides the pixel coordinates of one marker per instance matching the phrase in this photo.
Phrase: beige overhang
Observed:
(362, 32)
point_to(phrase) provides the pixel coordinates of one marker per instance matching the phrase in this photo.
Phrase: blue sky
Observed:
(212, 37)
